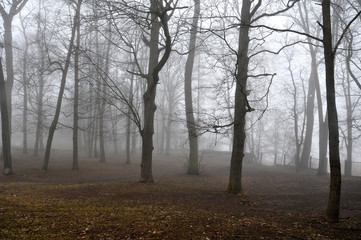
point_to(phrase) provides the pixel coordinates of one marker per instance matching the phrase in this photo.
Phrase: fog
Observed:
(275, 99)
(217, 88)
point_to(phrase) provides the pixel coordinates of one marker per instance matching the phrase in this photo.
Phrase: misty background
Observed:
(286, 82)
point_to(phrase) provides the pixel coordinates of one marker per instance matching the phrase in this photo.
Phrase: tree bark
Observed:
(240, 109)
(306, 152)
(61, 90)
(25, 89)
(40, 97)
(333, 206)
(15, 8)
(129, 122)
(5, 125)
(349, 110)
(323, 133)
(76, 98)
(159, 20)
(193, 168)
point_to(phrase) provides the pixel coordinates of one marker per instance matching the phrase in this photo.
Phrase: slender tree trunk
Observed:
(306, 152)
(76, 98)
(323, 140)
(168, 129)
(61, 91)
(240, 108)
(349, 119)
(129, 122)
(40, 96)
(323, 132)
(333, 207)
(134, 137)
(193, 168)
(25, 97)
(5, 125)
(349, 140)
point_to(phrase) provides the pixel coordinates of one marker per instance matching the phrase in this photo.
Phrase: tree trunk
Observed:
(349, 140)
(306, 152)
(129, 122)
(61, 91)
(333, 207)
(9, 62)
(5, 125)
(168, 130)
(349, 119)
(147, 134)
(40, 96)
(76, 98)
(25, 96)
(193, 168)
(240, 109)
(323, 132)
(323, 140)
(160, 19)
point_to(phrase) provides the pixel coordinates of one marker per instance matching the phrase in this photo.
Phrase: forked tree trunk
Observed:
(7, 17)
(159, 19)
(193, 168)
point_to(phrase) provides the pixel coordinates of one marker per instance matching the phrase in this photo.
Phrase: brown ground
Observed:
(105, 201)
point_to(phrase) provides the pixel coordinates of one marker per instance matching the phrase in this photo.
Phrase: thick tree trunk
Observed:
(61, 91)
(5, 125)
(240, 108)
(9, 62)
(333, 207)
(191, 124)
(160, 19)
(147, 134)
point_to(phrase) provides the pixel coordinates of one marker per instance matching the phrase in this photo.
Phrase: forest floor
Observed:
(106, 201)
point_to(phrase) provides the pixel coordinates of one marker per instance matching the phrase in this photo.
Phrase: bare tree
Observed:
(191, 124)
(159, 14)
(330, 49)
(15, 8)
(25, 83)
(62, 88)
(242, 106)
(76, 96)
